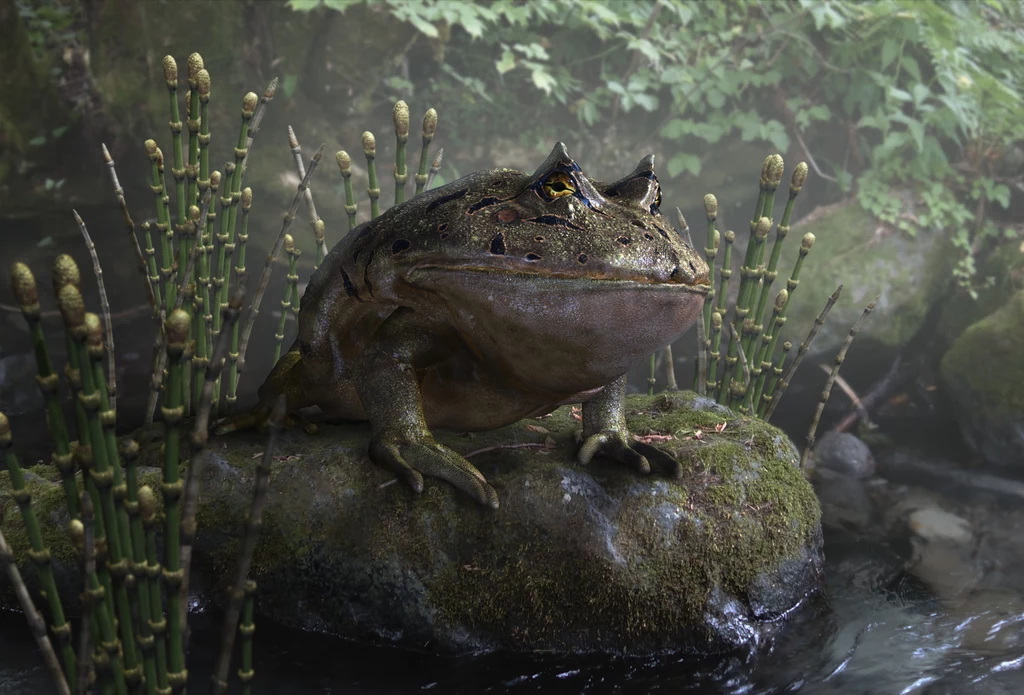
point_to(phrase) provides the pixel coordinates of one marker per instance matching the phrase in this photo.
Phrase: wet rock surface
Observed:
(590, 558)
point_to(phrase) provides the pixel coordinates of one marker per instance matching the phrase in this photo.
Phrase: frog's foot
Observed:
(412, 457)
(258, 419)
(619, 446)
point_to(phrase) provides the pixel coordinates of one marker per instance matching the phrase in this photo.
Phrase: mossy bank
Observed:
(575, 559)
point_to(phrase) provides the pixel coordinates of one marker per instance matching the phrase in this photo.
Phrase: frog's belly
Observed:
(459, 395)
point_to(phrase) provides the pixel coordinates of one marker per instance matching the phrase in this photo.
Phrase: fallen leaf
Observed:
(550, 443)
(577, 414)
(720, 427)
(537, 428)
(653, 437)
(699, 434)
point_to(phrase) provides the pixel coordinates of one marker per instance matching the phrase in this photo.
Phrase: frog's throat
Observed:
(700, 285)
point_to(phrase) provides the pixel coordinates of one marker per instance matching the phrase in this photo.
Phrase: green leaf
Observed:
(1001, 194)
(648, 102)
(899, 94)
(890, 49)
(716, 99)
(543, 79)
(58, 131)
(677, 128)
(683, 162)
(288, 85)
(507, 62)
(919, 92)
(304, 5)
(37, 141)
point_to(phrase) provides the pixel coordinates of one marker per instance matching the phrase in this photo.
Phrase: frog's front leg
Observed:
(385, 379)
(605, 434)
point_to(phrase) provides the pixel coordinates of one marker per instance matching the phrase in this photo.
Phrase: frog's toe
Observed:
(412, 461)
(296, 420)
(663, 463)
(254, 419)
(612, 445)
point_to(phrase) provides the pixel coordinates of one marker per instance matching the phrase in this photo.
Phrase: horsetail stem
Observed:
(177, 163)
(154, 570)
(435, 167)
(400, 116)
(129, 226)
(753, 326)
(373, 187)
(195, 64)
(290, 293)
(345, 166)
(714, 353)
(246, 630)
(429, 127)
(240, 274)
(25, 292)
(163, 225)
(747, 280)
(39, 554)
(770, 338)
(202, 317)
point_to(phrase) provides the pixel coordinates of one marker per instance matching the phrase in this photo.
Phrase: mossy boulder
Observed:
(984, 374)
(576, 559)
(907, 274)
(1000, 274)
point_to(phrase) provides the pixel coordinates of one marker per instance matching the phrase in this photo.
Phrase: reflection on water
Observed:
(932, 606)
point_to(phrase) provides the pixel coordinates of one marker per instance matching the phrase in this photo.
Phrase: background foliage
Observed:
(882, 98)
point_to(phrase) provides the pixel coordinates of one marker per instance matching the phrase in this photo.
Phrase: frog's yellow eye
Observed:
(657, 200)
(557, 185)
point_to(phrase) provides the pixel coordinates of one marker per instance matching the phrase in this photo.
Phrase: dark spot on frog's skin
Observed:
(582, 258)
(638, 223)
(532, 257)
(648, 236)
(507, 215)
(555, 221)
(304, 348)
(447, 199)
(662, 232)
(693, 268)
(350, 289)
(444, 235)
(498, 244)
(624, 240)
(399, 246)
(654, 210)
(443, 227)
(482, 203)
(538, 238)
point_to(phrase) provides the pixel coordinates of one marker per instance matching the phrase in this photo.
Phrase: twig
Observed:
(804, 347)
(254, 307)
(35, 621)
(108, 324)
(502, 447)
(827, 391)
(130, 227)
(435, 167)
(252, 531)
(810, 158)
(307, 195)
(257, 118)
(200, 435)
(845, 387)
(877, 393)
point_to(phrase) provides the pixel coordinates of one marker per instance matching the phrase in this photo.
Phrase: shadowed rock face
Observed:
(576, 559)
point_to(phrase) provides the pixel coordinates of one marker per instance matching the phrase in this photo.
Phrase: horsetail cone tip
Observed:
(93, 330)
(319, 229)
(195, 64)
(5, 430)
(293, 141)
(716, 320)
(775, 167)
(170, 70)
(177, 325)
(780, 299)
(106, 153)
(203, 82)
(76, 529)
(763, 226)
(147, 502)
(799, 176)
(215, 179)
(344, 161)
(711, 205)
(289, 243)
(249, 102)
(429, 123)
(401, 118)
(129, 448)
(369, 144)
(193, 213)
(716, 239)
(807, 242)
(730, 236)
(72, 308)
(65, 272)
(24, 285)
(151, 148)
(188, 102)
(246, 198)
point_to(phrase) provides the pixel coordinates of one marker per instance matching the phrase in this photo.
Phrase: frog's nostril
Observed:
(582, 258)
(624, 240)
(400, 245)
(532, 257)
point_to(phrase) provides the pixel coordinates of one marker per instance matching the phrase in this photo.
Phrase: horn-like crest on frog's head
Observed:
(560, 175)
(640, 187)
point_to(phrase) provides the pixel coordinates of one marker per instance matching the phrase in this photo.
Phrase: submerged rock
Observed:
(984, 374)
(577, 558)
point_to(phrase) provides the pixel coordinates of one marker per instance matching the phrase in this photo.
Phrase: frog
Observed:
(500, 296)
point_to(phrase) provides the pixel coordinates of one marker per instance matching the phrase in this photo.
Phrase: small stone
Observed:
(844, 453)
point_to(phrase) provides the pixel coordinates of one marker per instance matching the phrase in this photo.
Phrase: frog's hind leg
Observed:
(388, 388)
(284, 378)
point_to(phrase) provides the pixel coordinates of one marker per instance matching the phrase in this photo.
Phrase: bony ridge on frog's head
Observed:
(555, 223)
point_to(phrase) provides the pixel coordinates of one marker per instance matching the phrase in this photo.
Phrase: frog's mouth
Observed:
(697, 283)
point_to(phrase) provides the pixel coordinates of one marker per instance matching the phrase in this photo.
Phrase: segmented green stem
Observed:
(163, 225)
(651, 377)
(773, 380)
(246, 630)
(435, 167)
(195, 64)
(39, 554)
(154, 571)
(400, 116)
(345, 166)
(751, 323)
(25, 291)
(429, 126)
(373, 187)
(202, 314)
(711, 387)
(240, 274)
(290, 291)
(177, 162)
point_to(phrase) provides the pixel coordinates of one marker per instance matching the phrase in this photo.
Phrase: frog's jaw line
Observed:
(699, 288)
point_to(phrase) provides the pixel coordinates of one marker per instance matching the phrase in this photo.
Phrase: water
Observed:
(886, 622)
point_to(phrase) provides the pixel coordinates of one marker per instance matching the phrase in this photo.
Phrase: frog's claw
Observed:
(605, 434)
(411, 460)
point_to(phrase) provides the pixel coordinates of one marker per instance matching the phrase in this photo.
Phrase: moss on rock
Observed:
(581, 559)
(985, 376)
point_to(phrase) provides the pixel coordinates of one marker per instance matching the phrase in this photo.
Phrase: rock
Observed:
(844, 453)
(576, 559)
(844, 500)
(943, 552)
(908, 274)
(983, 373)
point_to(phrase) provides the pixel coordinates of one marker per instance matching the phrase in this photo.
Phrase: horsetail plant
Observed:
(104, 306)
(400, 116)
(435, 167)
(315, 222)
(129, 226)
(245, 631)
(240, 274)
(373, 187)
(291, 290)
(25, 292)
(345, 167)
(429, 127)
